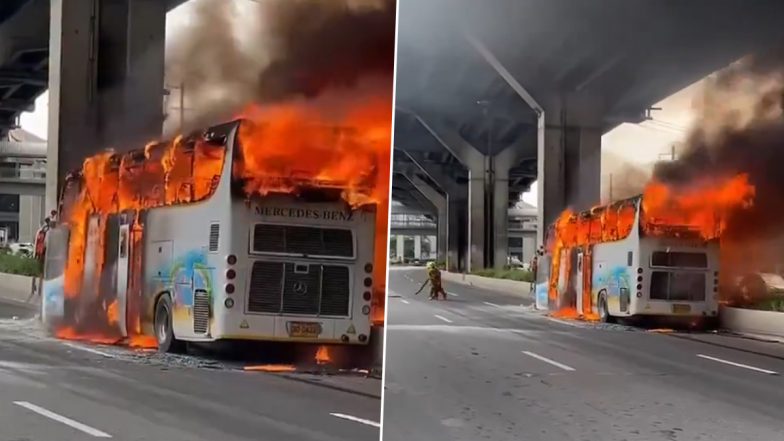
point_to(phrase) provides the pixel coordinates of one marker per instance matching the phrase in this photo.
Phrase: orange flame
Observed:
(142, 341)
(702, 206)
(343, 141)
(322, 355)
(277, 368)
(112, 313)
(68, 333)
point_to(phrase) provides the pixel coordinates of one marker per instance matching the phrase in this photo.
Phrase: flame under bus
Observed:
(609, 262)
(181, 252)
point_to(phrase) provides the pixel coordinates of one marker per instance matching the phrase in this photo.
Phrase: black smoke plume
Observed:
(232, 54)
(740, 129)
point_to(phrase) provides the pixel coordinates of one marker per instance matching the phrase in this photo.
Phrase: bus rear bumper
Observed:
(345, 331)
(678, 309)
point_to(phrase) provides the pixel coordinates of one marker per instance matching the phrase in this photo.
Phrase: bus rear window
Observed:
(679, 259)
(676, 286)
(307, 241)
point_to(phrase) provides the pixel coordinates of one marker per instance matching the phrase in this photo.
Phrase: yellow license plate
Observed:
(681, 309)
(304, 329)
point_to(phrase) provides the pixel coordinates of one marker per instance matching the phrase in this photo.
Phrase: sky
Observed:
(636, 143)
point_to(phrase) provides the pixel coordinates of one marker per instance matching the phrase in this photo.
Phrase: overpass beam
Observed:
(478, 166)
(569, 128)
(106, 69)
(455, 214)
(441, 203)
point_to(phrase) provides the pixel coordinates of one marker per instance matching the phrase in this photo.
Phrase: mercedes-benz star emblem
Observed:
(300, 288)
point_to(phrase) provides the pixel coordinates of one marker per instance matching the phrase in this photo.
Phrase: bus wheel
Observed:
(163, 327)
(604, 313)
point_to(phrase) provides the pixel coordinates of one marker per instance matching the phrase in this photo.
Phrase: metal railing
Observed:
(22, 174)
(412, 221)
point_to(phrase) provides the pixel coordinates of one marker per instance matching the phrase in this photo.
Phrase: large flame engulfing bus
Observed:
(212, 236)
(656, 254)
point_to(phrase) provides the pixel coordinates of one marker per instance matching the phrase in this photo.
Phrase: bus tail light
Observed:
(366, 310)
(231, 259)
(344, 338)
(368, 268)
(368, 282)
(231, 274)
(229, 288)
(362, 338)
(229, 303)
(367, 296)
(639, 270)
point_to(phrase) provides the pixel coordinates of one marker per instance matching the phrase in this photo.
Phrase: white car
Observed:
(21, 248)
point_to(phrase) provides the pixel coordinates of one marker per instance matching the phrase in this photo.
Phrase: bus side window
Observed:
(629, 258)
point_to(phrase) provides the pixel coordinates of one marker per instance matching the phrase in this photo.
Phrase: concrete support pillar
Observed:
(417, 247)
(106, 67)
(500, 212)
(587, 167)
(456, 256)
(440, 202)
(476, 217)
(569, 155)
(400, 246)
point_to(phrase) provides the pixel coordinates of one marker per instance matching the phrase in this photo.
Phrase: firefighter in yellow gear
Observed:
(434, 277)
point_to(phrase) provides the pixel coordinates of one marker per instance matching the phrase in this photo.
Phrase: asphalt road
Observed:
(65, 391)
(482, 366)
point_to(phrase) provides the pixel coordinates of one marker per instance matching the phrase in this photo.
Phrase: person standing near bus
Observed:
(40, 240)
(534, 270)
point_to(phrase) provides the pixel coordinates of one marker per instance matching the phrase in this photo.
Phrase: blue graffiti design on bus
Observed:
(188, 273)
(611, 279)
(542, 297)
(54, 296)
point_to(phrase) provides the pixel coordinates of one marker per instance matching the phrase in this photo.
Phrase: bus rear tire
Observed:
(604, 313)
(164, 331)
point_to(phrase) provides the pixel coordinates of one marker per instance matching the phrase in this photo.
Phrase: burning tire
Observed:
(164, 332)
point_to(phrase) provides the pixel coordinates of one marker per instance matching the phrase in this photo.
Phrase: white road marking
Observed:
(61, 419)
(547, 360)
(491, 304)
(452, 294)
(405, 301)
(88, 349)
(355, 419)
(442, 318)
(732, 363)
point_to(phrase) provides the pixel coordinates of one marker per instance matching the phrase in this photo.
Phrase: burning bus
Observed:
(182, 242)
(656, 254)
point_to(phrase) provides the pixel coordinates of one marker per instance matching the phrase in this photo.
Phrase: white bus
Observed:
(614, 264)
(198, 260)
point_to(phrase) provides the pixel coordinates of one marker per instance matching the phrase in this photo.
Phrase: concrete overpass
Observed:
(103, 64)
(494, 95)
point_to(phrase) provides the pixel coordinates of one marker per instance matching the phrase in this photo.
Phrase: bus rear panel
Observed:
(678, 278)
(303, 271)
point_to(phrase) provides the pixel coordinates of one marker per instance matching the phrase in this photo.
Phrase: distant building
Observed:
(21, 215)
